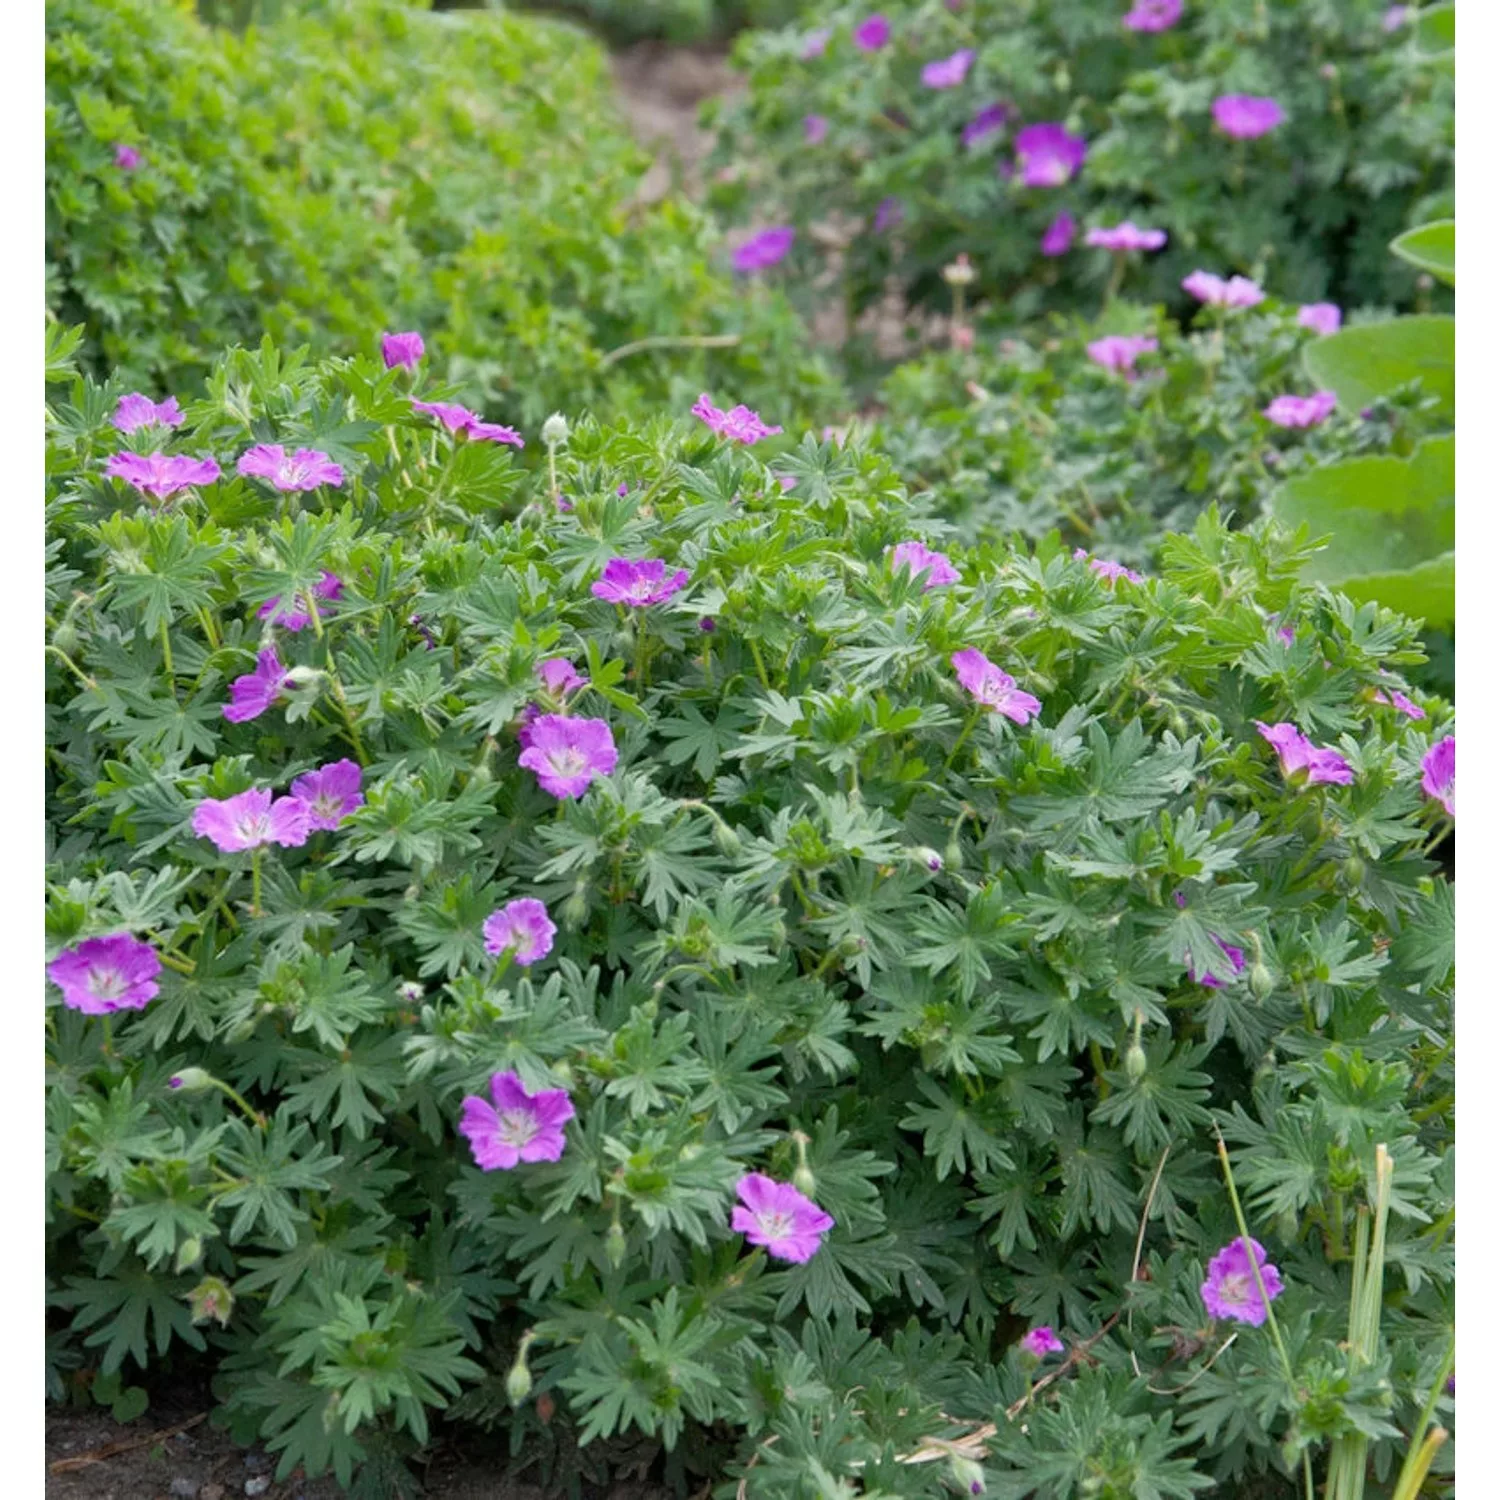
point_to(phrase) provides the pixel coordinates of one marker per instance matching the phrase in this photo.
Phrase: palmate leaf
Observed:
(119, 1301)
(956, 1132)
(274, 1164)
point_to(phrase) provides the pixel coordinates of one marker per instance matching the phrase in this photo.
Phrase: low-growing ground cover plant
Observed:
(1289, 140)
(674, 942)
(370, 165)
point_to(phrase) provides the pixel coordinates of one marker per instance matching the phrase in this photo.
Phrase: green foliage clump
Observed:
(1366, 148)
(370, 165)
(827, 919)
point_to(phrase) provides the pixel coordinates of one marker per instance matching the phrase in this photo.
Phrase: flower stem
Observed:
(255, 882)
(166, 651)
(254, 1116)
(71, 665)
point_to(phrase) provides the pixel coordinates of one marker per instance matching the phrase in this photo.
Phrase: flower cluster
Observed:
(320, 799)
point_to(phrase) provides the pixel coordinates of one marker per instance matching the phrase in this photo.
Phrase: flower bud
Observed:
(576, 908)
(614, 1246)
(1354, 870)
(191, 1080)
(953, 855)
(189, 1253)
(959, 272)
(726, 838)
(804, 1181)
(967, 1474)
(301, 679)
(411, 992)
(1261, 981)
(518, 1381)
(555, 430)
(1135, 1062)
(211, 1299)
(929, 857)
(65, 637)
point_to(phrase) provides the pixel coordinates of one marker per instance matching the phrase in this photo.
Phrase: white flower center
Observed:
(774, 1226)
(254, 827)
(1236, 1289)
(106, 984)
(567, 761)
(517, 1126)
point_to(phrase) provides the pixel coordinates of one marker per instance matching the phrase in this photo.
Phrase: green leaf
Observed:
(1436, 33)
(1391, 524)
(1429, 246)
(1374, 359)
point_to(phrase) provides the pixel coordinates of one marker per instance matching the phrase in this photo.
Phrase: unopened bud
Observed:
(1261, 982)
(614, 1246)
(967, 1474)
(953, 855)
(929, 857)
(1354, 870)
(211, 1299)
(191, 1080)
(726, 838)
(804, 1181)
(189, 1253)
(518, 1381)
(411, 992)
(1135, 1062)
(555, 430)
(65, 637)
(562, 1075)
(959, 272)
(576, 908)
(300, 679)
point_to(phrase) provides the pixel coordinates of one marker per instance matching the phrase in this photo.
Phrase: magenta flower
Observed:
(519, 1127)
(777, 1217)
(763, 250)
(1395, 17)
(637, 583)
(814, 129)
(740, 425)
(127, 158)
(990, 119)
(1301, 411)
(1231, 1292)
(403, 349)
(1215, 291)
(559, 677)
(251, 695)
(1047, 156)
(1246, 116)
(1153, 15)
(1401, 703)
(252, 820)
(1118, 351)
(889, 212)
(1109, 571)
(950, 72)
(1040, 1342)
(522, 928)
(462, 422)
(1321, 317)
(567, 754)
(816, 43)
(1437, 773)
(161, 475)
(1126, 236)
(1210, 980)
(1058, 239)
(305, 469)
(1298, 755)
(136, 410)
(997, 690)
(916, 558)
(293, 615)
(105, 974)
(331, 793)
(872, 33)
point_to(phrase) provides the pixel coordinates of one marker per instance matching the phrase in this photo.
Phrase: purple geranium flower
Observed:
(559, 676)
(518, 1127)
(1401, 703)
(293, 615)
(816, 43)
(522, 927)
(950, 72)
(1126, 236)
(1395, 17)
(1047, 156)
(462, 422)
(403, 349)
(567, 754)
(1437, 773)
(765, 249)
(872, 33)
(330, 793)
(1041, 1341)
(1237, 291)
(814, 129)
(1058, 239)
(161, 475)
(1153, 15)
(251, 695)
(136, 410)
(637, 583)
(1298, 754)
(1245, 116)
(889, 212)
(983, 680)
(918, 559)
(1231, 1292)
(777, 1217)
(990, 119)
(740, 425)
(1109, 571)
(305, 469)
(105, 974)
(1118, 351)
(127, 158)
(251, 820)
(1321, 317)
(1301, 411)
(1210, 980)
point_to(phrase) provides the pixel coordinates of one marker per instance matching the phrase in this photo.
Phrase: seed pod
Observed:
(804, 1181)
(614, 1246)
(518, 1381)
(1135, 1062)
